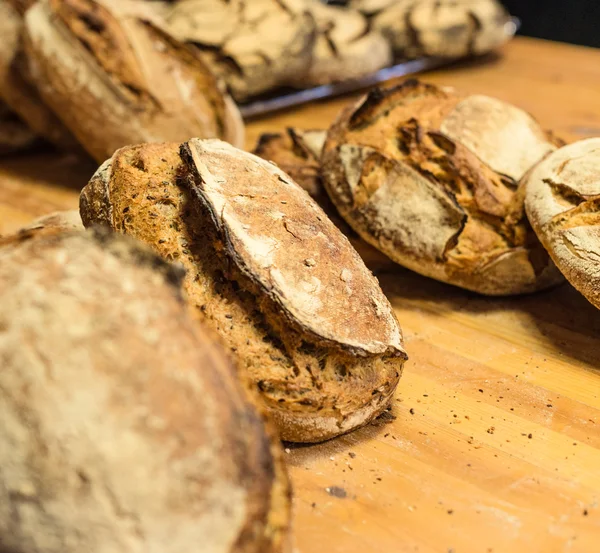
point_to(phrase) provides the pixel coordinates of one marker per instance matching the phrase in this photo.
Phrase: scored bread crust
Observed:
(123, 423)
(115, 77)
(563, 205)
(430, 178)
(253, 45)
(305, 320)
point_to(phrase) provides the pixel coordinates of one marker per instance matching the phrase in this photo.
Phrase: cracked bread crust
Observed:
(145, 441)
(115, 77)
(430, 178)
(297, 152)
(563, 205)
(268, 272)
(253, 45)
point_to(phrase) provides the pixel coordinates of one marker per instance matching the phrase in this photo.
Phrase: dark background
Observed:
(575, 21)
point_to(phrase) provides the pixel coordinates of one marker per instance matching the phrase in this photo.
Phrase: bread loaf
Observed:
(344, 48)
(265, 268)
(446, 28)
(115, 77)
(254, 45)
(563, 204)
(15, 89)
(61, 220)
(430, 177)
(297, 152)
(123, 425)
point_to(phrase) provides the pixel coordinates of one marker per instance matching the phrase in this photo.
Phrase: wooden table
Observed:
(493, 442)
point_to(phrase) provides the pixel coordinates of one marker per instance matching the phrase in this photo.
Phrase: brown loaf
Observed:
(123, 425)
(303, 317)
(115, 77)
(430, 177)
(297, 152)
(563, 204)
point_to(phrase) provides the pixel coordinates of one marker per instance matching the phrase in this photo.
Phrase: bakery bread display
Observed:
(124, 427)
(297, 152)
(304, 319)
(115, 77)
(253, 45)
(430, 177)
(563, 204)
(445, 28)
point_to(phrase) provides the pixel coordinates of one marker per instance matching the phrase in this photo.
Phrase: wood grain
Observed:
(493, 440)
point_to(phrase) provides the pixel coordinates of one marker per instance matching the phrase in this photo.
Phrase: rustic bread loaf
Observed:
(297, 153)
(303, 317)
(61, 220)
(254, 45)
(16, 91)
(344, 48)
(430, 178)
(563, 204)
(15, 135)
(115, 77)
(446, 28)
(123, 425)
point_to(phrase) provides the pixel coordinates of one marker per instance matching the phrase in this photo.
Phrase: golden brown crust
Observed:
(563, 205)
(134, 82)
(317, 380)
(162, 457)
(406, 170)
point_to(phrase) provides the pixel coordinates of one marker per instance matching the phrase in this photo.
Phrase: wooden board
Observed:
(493, 440)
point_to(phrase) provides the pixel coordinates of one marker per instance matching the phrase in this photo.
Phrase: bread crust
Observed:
(145, 441)
(430, 177)
(563, 205)
(304, 319)
(115, 77)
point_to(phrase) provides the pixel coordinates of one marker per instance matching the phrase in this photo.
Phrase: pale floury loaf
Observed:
(429, 176)
(304, 319)
(563, 204)
(114, 76)
(124, 427)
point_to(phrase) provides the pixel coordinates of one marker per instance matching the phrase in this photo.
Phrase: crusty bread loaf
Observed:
(446, 28)
(123, 425)
(15, 135)
(344, 48)
(430, 178)
(16, 91)
(563, 205)
(303, 317)
(297, 152)
(254, 45)
(115, 77)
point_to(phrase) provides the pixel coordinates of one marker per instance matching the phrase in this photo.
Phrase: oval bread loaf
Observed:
(303, 317)
(123, 425)
(563, 204)
(115, 77)
(430, 178)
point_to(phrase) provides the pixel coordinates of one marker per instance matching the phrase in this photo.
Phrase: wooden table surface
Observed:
(493, 441)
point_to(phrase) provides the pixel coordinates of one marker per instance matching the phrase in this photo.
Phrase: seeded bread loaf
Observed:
(115, 77)
(344, 48)
(446, 28)
(430, 177)
(15, 89)
(303, 317)
(563, 204)
(297, 153)
(123, 425)
(254, 45)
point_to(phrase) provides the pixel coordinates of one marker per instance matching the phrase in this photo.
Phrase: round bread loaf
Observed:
(253, 45)
(563, 205)
(303, 317)
(115, 77)
(430, 178)
(124, 427)
(297, 152)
